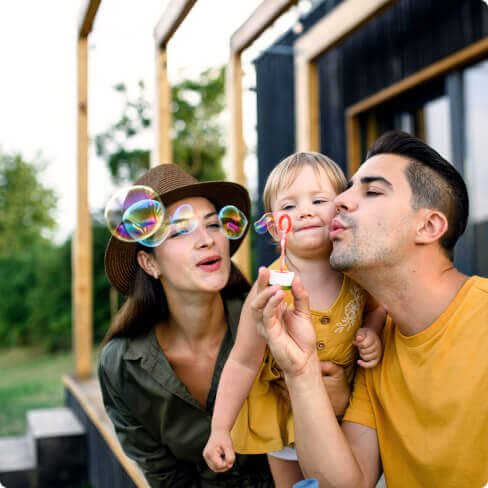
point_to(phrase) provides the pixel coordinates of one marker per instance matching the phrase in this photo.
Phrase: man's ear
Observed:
(432, 226)
(146, 262)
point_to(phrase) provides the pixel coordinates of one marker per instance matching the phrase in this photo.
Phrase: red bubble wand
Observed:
(284, 230)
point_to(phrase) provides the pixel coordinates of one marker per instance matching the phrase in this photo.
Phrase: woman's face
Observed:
(195, 261)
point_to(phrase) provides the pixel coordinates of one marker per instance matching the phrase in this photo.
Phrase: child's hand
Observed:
(219, 452)
(369, 345)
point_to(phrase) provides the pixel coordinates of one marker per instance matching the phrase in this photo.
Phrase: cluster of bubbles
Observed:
(137, 214)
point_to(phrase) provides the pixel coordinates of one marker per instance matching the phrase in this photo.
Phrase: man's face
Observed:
(375, 225)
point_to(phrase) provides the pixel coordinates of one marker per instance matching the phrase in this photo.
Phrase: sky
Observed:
(38, 81)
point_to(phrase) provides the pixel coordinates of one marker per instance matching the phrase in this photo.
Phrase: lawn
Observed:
(29, 379)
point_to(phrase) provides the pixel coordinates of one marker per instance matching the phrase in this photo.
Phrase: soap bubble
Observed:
(264, 223)
(134, 213)
(233, 222)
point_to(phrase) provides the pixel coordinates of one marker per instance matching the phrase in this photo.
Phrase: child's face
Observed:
(309, 201)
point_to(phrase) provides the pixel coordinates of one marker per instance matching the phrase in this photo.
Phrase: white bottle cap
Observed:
(283, 279)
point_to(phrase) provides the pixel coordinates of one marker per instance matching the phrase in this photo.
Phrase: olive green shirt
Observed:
(160, 424)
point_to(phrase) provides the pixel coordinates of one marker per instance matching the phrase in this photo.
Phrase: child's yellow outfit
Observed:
(265, 422)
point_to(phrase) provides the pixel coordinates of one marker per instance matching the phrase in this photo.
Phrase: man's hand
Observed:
(289, 333)
(219, 452)
(336, 385)
(369, 345)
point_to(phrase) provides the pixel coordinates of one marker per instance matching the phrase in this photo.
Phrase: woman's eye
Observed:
(372, 193)
(213, 226)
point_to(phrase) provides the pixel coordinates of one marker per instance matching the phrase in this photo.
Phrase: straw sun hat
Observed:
(172, 184)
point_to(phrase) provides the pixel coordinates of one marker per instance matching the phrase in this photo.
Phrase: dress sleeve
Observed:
(160, 467)
(360, 409)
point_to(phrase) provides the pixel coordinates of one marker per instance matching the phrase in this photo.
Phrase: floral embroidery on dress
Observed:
(351, 310)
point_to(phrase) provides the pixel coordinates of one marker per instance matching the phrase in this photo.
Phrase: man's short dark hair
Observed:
(434, 182)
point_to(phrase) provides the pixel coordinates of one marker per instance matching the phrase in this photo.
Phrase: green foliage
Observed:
(26, 206)
(197, 132)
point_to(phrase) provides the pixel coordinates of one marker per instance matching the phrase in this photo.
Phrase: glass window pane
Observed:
(476, 162)
(437, 119)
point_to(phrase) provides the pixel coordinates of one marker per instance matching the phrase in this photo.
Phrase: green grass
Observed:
(30, 379)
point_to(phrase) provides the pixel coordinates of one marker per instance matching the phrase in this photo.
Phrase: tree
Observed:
(26, 205)
(197, 133)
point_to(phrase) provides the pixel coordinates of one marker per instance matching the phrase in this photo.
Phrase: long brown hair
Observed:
(146, 304)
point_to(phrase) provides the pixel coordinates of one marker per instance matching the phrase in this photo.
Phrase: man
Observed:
(421, 414)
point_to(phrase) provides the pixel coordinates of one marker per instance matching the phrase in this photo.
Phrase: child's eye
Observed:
(318, 201)
(288, 206)
(213, 226)
(372, 193)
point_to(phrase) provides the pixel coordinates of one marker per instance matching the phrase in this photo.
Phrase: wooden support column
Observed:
(307, 105)
(237, 151)
(82, 239)
(162, 152)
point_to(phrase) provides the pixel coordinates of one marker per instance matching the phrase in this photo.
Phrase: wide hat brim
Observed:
(120, 257)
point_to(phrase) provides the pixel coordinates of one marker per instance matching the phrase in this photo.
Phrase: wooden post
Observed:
(162, 115)
(82, 239)
(237, 149)
(307, 105)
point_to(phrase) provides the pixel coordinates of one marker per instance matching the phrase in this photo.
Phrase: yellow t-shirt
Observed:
(428, 399)
(265, 422)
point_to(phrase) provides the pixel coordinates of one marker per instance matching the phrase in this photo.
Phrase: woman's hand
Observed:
(219, 451)
(289, 333)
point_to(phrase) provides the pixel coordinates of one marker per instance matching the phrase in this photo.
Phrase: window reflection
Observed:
(476, 140)
(437, 120)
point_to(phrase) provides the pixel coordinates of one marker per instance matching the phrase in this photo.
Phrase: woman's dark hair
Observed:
(435, 183)
(146, 303)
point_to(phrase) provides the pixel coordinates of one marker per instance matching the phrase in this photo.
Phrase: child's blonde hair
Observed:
(286, 171)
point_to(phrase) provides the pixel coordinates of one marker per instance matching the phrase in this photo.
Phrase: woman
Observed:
(164, 353)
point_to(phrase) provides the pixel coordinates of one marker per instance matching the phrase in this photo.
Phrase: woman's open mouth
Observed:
(210, 263)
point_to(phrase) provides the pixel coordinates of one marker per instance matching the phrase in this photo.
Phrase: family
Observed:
(374, 362)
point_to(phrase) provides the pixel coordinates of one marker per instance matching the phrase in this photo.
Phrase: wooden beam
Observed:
(172, 17)
(82, 239)
(462, 57)
(264, 15)
(341, 22)
(162, 152)
(237, 151)
(88, 11)
(307, 105)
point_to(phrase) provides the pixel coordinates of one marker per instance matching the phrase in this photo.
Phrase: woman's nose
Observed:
(203, 237)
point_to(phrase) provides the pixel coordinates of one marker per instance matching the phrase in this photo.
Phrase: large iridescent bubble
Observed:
(134, 214)
(233, 222)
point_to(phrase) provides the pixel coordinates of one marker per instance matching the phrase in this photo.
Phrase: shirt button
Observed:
(324, 320)
(321, 345)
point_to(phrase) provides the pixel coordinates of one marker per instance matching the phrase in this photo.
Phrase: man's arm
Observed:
(337, 458)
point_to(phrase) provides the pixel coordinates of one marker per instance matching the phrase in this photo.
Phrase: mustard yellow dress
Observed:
(265, 422)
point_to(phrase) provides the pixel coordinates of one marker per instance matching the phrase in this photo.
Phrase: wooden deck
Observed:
(89, 397)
